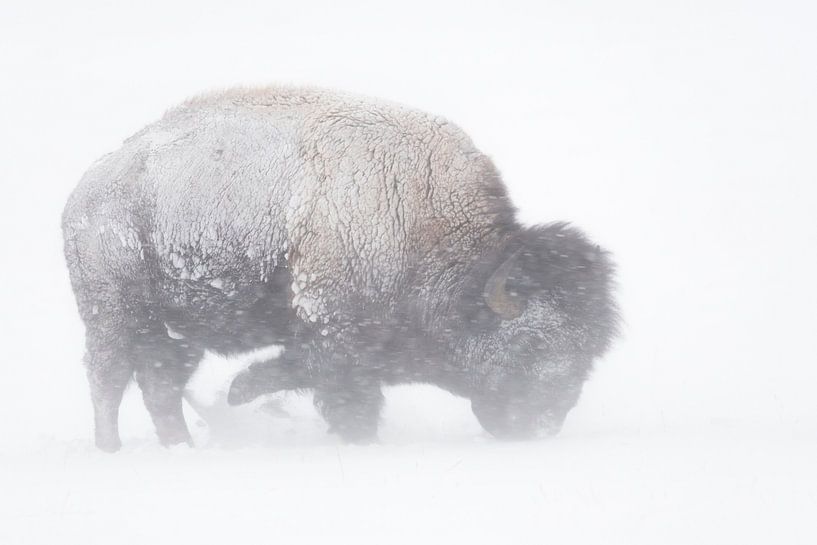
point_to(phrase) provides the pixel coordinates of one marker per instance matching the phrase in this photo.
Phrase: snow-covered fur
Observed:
(364, 236)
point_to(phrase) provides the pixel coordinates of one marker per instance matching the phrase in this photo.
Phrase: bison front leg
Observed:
(290, 371)
(163, 367)
(350, 401)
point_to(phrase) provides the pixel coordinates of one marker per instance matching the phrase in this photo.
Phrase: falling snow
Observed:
(680, 135)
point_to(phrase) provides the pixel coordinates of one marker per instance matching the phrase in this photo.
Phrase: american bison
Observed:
(373, 241)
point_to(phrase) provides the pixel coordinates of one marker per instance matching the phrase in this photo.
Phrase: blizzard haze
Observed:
(680, 136)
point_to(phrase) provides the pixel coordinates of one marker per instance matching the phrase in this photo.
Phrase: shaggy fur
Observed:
(359, 234)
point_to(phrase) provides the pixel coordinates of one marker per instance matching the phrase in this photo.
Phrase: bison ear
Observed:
(507, 305)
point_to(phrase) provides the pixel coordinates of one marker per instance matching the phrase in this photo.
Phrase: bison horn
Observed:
(497, 297)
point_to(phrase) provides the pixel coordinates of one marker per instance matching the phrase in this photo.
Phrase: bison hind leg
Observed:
(108, 363)
(109, 371)
(164, 364)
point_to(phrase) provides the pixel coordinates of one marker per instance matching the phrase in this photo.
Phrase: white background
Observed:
(681, 135)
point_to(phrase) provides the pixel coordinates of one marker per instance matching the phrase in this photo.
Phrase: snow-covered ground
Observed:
(682, 137)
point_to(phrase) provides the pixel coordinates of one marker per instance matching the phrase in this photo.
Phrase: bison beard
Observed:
(374, 242)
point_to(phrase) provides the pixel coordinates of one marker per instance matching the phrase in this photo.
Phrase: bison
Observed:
(373, 241)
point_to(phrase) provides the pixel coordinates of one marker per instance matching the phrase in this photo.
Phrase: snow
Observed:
(681, 137)
(434, 477)
(217, 283)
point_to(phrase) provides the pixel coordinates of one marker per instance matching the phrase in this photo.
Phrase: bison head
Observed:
(545, 312)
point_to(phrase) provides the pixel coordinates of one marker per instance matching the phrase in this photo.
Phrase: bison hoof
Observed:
(354, 435)
(176, 440)
(108, 444)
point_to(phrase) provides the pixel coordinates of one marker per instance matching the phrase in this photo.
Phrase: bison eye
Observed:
(522, 342)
